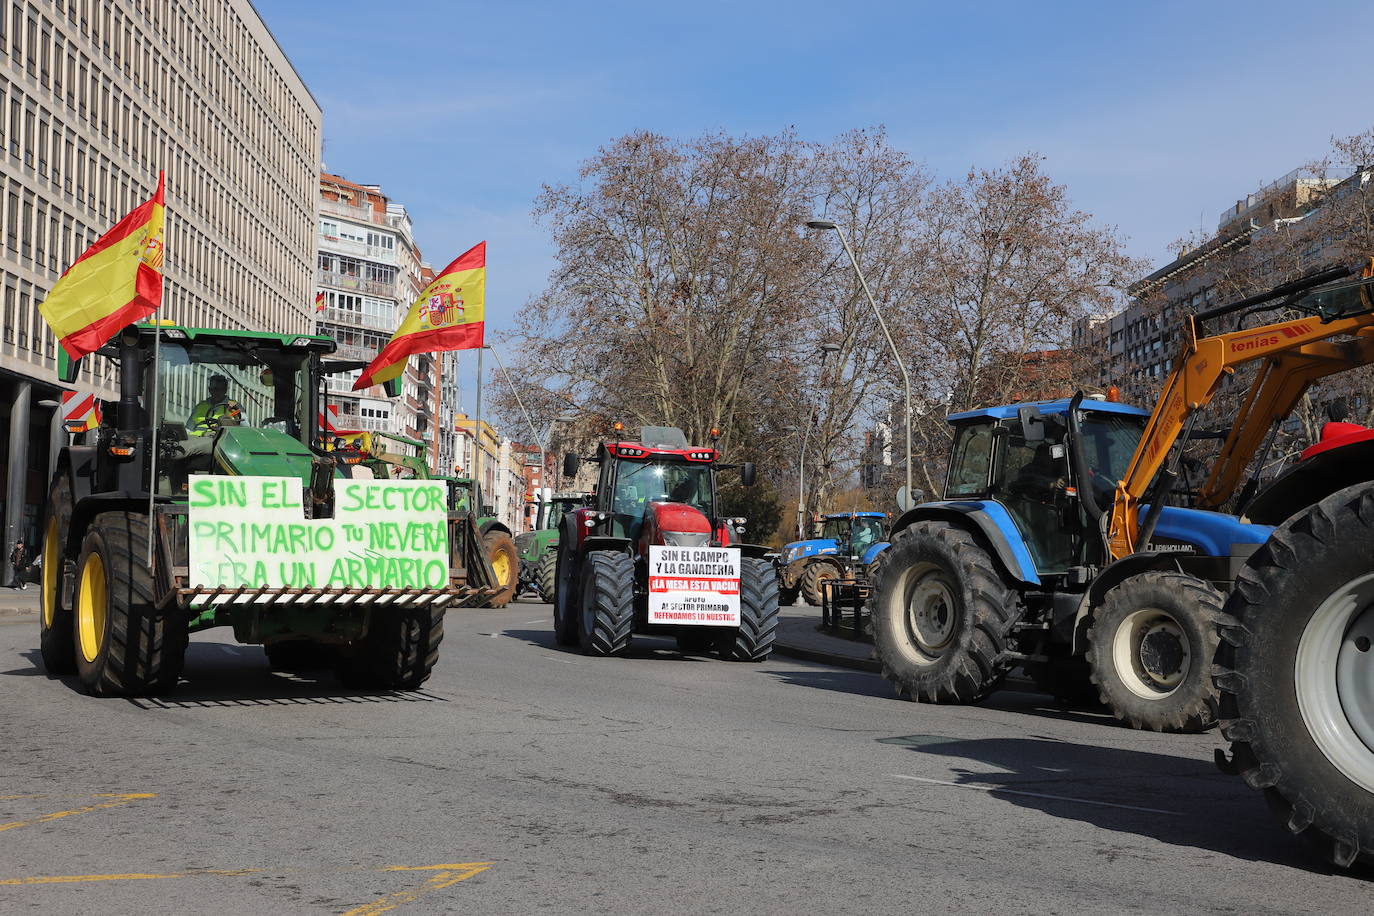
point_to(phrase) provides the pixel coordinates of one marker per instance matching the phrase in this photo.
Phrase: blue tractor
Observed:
(1013, 568)
(848, 546)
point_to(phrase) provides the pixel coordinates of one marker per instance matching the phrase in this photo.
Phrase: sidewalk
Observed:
(799, 637)
(16, 602)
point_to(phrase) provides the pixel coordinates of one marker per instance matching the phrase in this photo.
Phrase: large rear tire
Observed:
(942, 615)
(505, 562)
(608, 603)
(56, 638)
(125, 647)
(398, 652)
(567, 597)
(1150, 649)
(812, 577)
(758, 612)
(1296, 674)
(545, 573)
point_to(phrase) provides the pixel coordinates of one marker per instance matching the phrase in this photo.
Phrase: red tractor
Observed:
(650, 555)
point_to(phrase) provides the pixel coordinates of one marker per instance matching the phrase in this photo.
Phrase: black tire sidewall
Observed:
(92, 673)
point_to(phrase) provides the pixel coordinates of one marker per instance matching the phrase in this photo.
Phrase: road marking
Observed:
(555, 658)
(117, 800)
(997, 790)
(536, 620)
(445, 876)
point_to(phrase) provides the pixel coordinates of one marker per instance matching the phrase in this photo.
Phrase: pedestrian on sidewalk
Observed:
(19, 560)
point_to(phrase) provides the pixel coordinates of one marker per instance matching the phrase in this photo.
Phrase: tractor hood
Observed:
(244, 450)
(677, 525)
(812, 548)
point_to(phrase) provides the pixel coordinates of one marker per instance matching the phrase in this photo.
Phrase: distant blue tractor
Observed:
(1013, 568)
(848, 545)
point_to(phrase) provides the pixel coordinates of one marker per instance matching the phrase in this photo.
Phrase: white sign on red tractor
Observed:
(694, 586)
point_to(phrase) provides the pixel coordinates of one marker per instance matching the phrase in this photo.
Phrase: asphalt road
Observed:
(525, 778)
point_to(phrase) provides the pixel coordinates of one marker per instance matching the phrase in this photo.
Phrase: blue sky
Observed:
(1157, 116)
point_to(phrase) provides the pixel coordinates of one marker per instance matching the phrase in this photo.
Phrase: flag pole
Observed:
(477, 438)
(156, 389)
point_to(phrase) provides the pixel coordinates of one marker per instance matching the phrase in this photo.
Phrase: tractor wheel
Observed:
(1296, 673)
(758, 612)
(812, 577)
(607, 614)
(505, 562)
(567, 596)
(125, 647)
(298, 655)
(56, 640)
(398, 652)
(1150, 649)
(942, 616)
(544, 574)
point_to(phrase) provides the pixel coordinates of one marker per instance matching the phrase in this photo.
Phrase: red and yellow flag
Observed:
(447, 316)
(117, 281)
(319, 301)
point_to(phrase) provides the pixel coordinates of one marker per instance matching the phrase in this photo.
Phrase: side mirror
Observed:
(392, 387)
(67, 368)
(570, 464)
(1032, 424)
(747, 475)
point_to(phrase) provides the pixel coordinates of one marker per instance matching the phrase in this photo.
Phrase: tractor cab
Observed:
(1049, 470)
(854, 534)
(655, 480)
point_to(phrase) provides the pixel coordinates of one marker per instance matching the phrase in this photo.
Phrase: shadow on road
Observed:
(842, 680)
(219, 674)
(1195, 805)
(640, 647)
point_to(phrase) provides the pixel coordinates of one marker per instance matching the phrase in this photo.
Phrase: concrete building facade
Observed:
(95, 97)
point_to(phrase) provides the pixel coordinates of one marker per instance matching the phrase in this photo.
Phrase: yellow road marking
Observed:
(44, 818)
(444, 876)
(448, 876)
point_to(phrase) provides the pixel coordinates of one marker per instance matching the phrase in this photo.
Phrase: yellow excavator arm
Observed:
(1295, 353)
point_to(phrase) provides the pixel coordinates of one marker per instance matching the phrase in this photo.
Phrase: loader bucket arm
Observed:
(1297, 355)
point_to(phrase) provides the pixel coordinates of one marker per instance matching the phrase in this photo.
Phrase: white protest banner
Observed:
(252, 531)
(696, 586)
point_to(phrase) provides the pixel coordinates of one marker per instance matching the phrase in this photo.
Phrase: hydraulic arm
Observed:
(1294, 354)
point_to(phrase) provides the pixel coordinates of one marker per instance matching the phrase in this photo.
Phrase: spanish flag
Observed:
(319, 301)
(115, 283)
(447, 316)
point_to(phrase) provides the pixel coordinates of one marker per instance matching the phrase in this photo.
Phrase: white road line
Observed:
(528, 622)
(1001, 791)
(555, 658)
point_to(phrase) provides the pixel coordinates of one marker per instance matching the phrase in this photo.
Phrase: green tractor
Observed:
(539, 548)
(497, 539)
(210, 496)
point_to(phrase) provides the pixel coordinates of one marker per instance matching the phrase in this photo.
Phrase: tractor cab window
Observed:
(208, 386)
(638, 483)
(836, 529)
(970, 461)
(867, 532)
(1109, 441)
(1033, 485)
(554, 512)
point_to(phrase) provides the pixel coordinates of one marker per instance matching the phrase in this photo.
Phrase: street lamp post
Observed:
(901, 364)
(826, 349)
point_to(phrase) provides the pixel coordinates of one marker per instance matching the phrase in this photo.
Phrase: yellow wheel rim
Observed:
(91, 602)
(500, 564)
(51, 560)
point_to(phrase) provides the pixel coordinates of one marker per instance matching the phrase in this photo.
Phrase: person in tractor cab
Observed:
(217, 410)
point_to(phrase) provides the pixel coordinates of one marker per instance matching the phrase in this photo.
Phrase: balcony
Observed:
(336, 280)
(353, 211)
(358, 319)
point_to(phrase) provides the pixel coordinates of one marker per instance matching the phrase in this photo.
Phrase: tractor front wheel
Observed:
(567, 596)
(399, 651)
(545, 573)
(125, 646)
(758, 612)
(505, 562)
(1150, 651)
(942, 615)
(812, 577)
(1296, 672)
(56, 640)
(607, 614)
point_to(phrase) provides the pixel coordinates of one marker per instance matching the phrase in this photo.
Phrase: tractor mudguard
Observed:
(607, 542)
(1317, 476)
(757, 551)
(988, 518)
(873, 551)
(488, 525)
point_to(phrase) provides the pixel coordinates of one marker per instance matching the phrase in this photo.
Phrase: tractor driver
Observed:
(217, 410)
